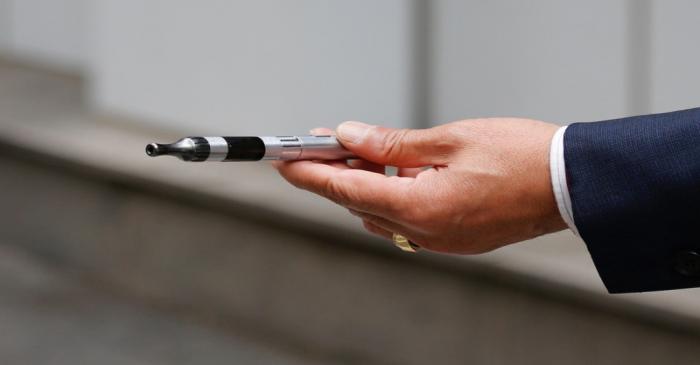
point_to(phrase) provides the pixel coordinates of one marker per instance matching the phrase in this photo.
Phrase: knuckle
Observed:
(454, 128)
(370, 226)
(371, 219)
(391, 143)
(446, 146)
(396, 206)
(414, 214)
(415, 210)
(334, 191)
(298, 183)
(454, 136)
(398, 209)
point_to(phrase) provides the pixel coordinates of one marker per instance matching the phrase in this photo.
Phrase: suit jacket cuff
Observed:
(634, 185)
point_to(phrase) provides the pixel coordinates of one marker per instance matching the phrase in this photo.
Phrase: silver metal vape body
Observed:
(304, 148)
(286, 148)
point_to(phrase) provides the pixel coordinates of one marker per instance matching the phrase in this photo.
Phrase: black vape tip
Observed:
(186, 149)
(154, 149)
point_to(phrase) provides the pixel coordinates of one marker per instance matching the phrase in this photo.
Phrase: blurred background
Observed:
(109, 257)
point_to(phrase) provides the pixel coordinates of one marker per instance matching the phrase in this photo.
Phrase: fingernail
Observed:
(352, 132)
(316, 131)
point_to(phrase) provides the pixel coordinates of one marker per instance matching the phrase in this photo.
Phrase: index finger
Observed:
(353, 188)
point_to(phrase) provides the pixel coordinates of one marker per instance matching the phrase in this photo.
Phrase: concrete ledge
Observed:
(48, 317)
(325, 300)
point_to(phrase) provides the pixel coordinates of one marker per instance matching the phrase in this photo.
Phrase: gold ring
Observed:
(404, 244)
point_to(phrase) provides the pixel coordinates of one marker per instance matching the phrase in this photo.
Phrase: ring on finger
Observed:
(404, 243)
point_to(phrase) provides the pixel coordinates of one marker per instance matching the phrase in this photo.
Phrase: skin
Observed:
(466, 187)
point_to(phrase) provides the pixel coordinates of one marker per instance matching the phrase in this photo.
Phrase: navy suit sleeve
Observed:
(635, 190)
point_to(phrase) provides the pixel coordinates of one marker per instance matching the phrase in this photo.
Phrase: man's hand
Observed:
(466, 187)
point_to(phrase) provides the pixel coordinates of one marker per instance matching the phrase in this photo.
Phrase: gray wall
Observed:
(53, 33)
(556, 60)
(275, 66)
(675, 39)
(268, 66)
(5, 25)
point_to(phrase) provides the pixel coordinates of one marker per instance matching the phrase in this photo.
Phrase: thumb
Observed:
(397, 147)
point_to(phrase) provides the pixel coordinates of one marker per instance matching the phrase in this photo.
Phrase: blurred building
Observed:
(111, 258)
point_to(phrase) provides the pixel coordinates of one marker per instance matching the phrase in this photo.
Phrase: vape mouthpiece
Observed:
(155, 149)
(187, 149)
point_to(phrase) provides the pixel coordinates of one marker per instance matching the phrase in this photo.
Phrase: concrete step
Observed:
(232, 250)
(319, 295)
(50, 317)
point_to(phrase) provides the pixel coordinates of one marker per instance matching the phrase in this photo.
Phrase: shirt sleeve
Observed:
(557, 169)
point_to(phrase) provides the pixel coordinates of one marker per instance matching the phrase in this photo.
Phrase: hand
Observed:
(466, 187)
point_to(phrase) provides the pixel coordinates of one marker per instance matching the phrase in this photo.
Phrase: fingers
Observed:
(398, 147)
(384, 224)
(355, 164)
(353, 188)
(379, 231)
(338, 164)
(381, 222)
(409, 171)
(367, 166)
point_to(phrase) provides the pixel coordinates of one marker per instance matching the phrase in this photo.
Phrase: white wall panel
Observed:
(675, 55)
(277, 65)
(54, 32)
(556, 60)
(268, 66)
(5, 25)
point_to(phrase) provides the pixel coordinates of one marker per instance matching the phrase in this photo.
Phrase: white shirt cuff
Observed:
(557, 168)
